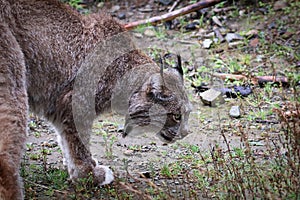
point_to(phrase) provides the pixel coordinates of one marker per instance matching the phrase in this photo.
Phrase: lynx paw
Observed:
(103, 175)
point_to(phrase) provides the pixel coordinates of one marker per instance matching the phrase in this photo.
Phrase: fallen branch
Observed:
(174, 14)
(258, 80)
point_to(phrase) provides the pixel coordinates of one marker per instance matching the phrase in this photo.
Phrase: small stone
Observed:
(235, 112)
(206, 43)
(130, 14)
(115, 8)
(122, 15)
(242, 12)
(272, 25)
(192, 26)
(217, 21)
(219, 34)
(100, 5)
(233, 37)
(279, 5)
(212, 97)
(138, 35)
(244, 91)
(149, 33)
(209, 35)
(146, 9)
(165, 2)
(131, 180)
(251, 33)
(254, 42)
(128, 152)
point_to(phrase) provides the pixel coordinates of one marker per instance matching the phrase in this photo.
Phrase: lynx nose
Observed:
(127, 130)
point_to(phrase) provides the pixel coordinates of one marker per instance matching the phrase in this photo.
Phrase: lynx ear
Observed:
(179, 66)
(156, 89)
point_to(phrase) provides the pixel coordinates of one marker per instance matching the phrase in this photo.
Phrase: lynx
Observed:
(48, 55)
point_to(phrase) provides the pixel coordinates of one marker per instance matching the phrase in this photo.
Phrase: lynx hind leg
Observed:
(78, 158)
(13, 114)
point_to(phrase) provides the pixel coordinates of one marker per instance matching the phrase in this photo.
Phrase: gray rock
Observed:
(235, 112)
(233, 37)
(206, 43)
(217, 21)
(121, 15)
(165, 2)
(212, 97)
(219, 34)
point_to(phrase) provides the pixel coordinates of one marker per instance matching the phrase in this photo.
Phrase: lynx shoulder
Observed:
(44, 49)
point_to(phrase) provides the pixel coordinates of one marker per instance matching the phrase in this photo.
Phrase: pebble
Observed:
(235, 112)
(279, 5)
(121, 15)
(128, 152)
(115, 8)
(217, 21)
(254, 42)
(212, 97)
(207, 43)
(192, 26)
(138, 35)
(219, 34)
(233, 37)
(149, 33)
(251, 33)
(209, 35)
(242, 12)
(165, 2)
(146, 9)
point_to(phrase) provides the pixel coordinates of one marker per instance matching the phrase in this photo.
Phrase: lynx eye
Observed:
(177, 117)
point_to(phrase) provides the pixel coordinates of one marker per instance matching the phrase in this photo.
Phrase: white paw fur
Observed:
(104, 171)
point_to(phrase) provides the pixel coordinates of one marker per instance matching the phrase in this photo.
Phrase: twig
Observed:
(174, 14)
(174, 5)
(255, 80)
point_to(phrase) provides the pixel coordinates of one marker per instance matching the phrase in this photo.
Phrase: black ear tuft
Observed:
(179, 66)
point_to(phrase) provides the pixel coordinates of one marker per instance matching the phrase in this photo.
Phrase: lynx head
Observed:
(160, 106)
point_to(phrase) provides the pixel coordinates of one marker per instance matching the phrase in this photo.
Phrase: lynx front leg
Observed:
(13, 114)
(78, 158)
